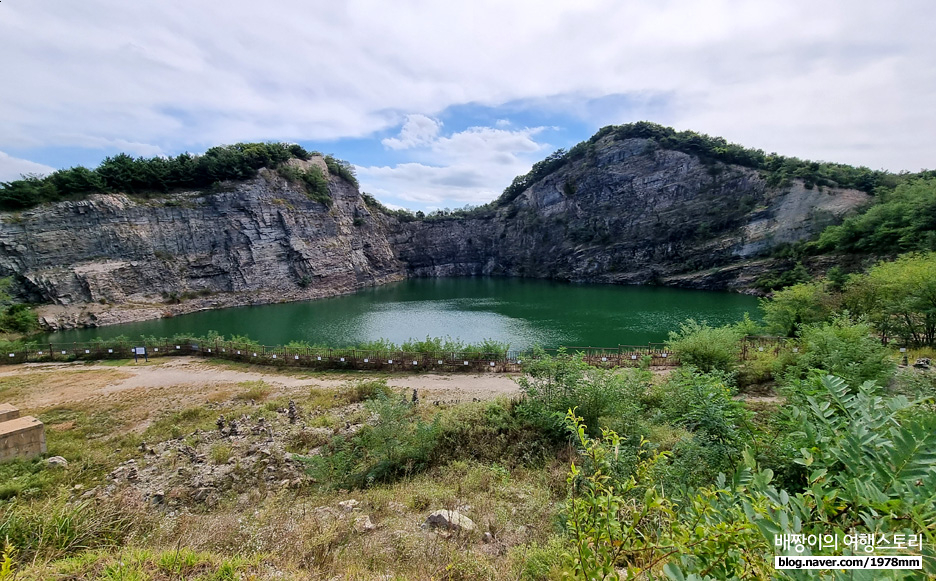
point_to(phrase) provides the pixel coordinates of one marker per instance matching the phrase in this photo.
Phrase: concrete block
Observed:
(21, 438)
(8, 412)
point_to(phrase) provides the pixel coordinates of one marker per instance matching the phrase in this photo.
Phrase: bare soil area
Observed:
(178, 382)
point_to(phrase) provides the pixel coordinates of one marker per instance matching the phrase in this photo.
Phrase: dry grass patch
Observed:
(37, 389)
(253, 390)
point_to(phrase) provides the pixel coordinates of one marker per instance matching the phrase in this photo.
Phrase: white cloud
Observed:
(418, 130)
(466, 167)
(12, 168)
(851, 81)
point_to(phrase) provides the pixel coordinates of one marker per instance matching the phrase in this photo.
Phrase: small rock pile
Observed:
(242, 455)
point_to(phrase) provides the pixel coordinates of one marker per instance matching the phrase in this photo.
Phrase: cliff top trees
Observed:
(124, 173)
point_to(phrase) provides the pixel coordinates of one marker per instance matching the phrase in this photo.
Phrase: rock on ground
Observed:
(451, 520)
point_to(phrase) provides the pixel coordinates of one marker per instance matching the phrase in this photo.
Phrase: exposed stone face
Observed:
(263, 241)
(626, 213)
(630, 214)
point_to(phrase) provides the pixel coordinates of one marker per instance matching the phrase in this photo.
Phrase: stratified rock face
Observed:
(627, 212)
(630, 213)
(262, 241)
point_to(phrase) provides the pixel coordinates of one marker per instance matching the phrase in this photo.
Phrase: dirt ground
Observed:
(180, 382)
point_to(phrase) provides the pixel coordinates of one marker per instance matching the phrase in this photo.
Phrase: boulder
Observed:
(451, 520)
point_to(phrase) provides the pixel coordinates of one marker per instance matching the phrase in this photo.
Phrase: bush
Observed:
(868, 470)
(703, 404)
(846, 349)
(801, 304)
(18, 318)
(491, 432)
(365, 389)
(707, 348)
(899, 298)
(312, 180)
(554, 385)
(762, 368)
(397, 444)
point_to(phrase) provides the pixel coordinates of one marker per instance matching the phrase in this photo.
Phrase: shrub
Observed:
(703, 404)
(759, 369)
(868, 470)
(899, 298)
(554, 385)
(707, 348)
(490, 432)
(801, 304)
(398, 443)
(846, 349)
(313, 182)
(19, 318)
(365, 389)
(220, 453)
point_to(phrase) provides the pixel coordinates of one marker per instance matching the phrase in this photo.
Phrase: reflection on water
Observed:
(517, 311)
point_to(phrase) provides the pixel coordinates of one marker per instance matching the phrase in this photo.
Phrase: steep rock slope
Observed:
(260, 241)
(629, 212)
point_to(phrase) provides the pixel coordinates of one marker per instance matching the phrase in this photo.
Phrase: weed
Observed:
(253, 390)
(220, 453)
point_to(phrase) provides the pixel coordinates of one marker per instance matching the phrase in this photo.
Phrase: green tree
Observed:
(801, 304)
(899, 298)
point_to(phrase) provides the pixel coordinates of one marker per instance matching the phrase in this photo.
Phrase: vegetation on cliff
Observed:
(900, 220)
(159, 175)
(16, 319)
(778, 170)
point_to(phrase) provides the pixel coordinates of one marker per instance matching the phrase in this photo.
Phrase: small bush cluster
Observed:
(704, 347)
(396, 443)
(553, 385)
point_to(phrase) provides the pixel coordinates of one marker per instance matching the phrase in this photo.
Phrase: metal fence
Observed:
(511, 361)
(656, 355)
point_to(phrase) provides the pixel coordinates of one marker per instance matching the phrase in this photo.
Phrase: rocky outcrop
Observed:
(259, 241)
(626, 213)
(629, 213)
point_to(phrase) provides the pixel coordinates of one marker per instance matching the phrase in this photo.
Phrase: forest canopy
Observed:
(154, 175)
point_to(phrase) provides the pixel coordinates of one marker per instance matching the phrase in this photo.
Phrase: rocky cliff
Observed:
(626, 212)
(629, 212)
(109, 258)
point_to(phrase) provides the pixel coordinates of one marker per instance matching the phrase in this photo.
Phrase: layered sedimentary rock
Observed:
(627, 212)
(259, 241)
(631, 213)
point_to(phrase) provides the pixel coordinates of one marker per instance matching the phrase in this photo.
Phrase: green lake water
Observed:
(521, 312)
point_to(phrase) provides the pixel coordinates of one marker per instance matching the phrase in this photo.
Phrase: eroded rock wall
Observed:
(631, 213)
(261, 241)
(626, 212)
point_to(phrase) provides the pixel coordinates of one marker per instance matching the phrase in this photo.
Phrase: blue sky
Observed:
(442, 104)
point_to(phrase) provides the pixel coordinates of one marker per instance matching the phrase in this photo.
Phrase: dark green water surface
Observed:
(518, 311)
